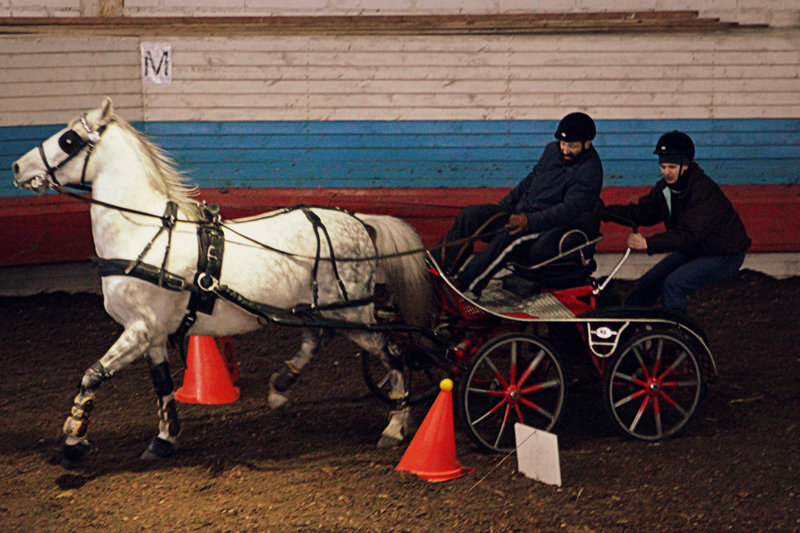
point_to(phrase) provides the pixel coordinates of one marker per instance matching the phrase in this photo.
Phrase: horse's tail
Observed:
(407, 275)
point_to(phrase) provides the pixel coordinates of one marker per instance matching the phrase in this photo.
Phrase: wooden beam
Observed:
(623, 21)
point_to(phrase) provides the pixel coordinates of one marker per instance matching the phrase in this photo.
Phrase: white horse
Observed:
(281, 259)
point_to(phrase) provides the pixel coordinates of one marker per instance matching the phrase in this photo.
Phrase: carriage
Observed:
(515, 357)
(172, 267)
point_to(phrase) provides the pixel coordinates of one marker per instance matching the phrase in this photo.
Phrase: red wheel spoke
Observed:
(639, 413)
(657, 416)
(631, 397)
(534, 406)
(642, 365)
(531, 367)
(541, 386)
(502, 426)
(680, 359)
(626, 377)
(491, 411)
(672, 403)
(497, 374)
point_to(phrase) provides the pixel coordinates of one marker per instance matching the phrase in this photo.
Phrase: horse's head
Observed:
(63, 158)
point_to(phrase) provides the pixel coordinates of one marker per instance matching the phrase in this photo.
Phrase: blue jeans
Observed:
(678, 275)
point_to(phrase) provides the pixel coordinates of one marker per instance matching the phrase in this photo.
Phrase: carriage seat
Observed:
(560, 258)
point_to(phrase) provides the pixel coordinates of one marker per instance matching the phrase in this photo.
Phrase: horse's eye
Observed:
(71, 142)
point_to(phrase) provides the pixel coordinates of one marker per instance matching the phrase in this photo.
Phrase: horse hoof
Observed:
(389, 441)
(276, 400)
(158, 448)
(75, 453)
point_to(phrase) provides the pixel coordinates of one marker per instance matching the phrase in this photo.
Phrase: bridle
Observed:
(72, 144)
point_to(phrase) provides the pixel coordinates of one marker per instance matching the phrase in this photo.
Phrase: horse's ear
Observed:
(107, 107)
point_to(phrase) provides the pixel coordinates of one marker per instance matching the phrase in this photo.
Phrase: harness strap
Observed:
(210, 250)
(167, 222)
(143, 271)
(317, 224)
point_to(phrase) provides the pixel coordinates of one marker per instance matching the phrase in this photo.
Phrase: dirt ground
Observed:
(242, 467)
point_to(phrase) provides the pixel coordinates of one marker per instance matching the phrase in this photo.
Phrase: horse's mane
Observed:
(163, 172)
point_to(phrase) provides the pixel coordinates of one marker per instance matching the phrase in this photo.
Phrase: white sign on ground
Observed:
(537, 454)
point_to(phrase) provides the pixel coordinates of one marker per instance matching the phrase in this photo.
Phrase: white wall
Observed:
(777, 13)
(740, 74)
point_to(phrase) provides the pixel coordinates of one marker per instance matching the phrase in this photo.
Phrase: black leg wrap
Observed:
(162, 381)
(286, 376)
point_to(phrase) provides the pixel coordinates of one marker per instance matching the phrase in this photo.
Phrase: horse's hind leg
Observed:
(390, 355)
(399, 418)
(166, 442)
(281, 380)
(130, 345)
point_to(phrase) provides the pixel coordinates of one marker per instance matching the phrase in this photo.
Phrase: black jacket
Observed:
(556, 193)
(702, 222)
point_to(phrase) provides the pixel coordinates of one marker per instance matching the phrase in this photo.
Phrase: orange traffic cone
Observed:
(229, 356)
(432, 452)
(206, 379)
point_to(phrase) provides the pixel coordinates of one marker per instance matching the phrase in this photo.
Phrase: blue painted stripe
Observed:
(440, 153)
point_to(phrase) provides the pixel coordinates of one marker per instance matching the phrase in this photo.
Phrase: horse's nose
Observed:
(15, 168)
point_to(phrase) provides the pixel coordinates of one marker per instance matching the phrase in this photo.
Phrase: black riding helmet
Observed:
(675, 147)
(576, 127)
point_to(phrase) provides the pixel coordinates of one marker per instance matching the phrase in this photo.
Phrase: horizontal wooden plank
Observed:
(516, 73)
(34, 75)
(510, 58)
(741, 42)
(520, 88)
(647, 21)
(443, 100)
(75, 43)
(97, 58)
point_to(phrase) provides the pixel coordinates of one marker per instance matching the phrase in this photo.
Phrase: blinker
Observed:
(71, 143)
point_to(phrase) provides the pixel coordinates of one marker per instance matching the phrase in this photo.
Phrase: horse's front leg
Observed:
(165, 443)
(399, 418)
(131, 344)
(280, 381)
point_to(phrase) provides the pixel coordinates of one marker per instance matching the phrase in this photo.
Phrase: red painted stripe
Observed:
(54, 229)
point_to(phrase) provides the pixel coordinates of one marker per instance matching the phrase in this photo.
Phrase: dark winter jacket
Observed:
(556, 193)
(702, 222)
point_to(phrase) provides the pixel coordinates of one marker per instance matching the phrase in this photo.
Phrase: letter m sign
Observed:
(156, 63)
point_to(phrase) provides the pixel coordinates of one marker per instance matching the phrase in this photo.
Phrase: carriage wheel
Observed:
(653, 387)
(423, 378)
(513, 378)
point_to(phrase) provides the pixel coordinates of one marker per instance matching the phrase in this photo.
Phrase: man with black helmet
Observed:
(705, 238)
(562, 187)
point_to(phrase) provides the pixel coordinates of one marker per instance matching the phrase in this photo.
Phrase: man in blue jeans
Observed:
(705, 238)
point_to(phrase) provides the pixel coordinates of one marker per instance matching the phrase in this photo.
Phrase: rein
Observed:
(166, 220)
